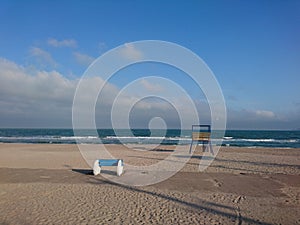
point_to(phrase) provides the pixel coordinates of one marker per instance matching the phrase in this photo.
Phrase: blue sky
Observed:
(251, 46)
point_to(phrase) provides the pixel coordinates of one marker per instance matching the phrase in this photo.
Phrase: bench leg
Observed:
(96, 168)
(119, 168)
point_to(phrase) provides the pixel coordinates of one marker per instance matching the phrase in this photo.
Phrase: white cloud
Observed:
(152, 87)
(265, 114)
(129, 51)
(40, 98)
(42, 56)
(83, 59)
(44, 99)
(261, 119)
(251, 115)
(71, 43)
(28, 98)
(18, 84)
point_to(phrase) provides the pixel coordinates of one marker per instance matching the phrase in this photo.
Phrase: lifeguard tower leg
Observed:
(191, 147)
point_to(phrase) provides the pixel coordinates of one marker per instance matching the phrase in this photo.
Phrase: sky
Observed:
(252, 47)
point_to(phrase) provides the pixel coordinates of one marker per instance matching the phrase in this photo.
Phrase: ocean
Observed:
(239, 138)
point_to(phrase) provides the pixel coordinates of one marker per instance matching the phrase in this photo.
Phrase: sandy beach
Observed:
(52, 184)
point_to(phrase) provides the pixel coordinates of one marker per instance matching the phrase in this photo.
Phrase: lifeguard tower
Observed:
(201, 133)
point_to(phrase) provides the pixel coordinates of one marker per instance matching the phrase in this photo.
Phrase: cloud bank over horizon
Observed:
(37, 98)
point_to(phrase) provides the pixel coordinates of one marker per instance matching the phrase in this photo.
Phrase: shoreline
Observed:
(149, 144)
(233, 138)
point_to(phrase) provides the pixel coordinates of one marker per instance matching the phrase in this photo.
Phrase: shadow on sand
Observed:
(211, 207)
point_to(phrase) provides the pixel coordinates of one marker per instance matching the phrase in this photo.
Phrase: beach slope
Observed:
(52, 184)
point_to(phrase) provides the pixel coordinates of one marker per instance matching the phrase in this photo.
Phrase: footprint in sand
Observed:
(217, 183)
(239, 198)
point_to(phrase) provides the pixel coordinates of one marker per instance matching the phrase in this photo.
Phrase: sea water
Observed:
(239, 138)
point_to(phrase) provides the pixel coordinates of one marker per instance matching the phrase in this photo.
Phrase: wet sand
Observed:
(52, 184)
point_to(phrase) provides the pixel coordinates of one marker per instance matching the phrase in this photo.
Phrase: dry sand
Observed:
(52, 184)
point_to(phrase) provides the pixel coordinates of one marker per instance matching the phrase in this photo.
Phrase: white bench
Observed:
(108, 162)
